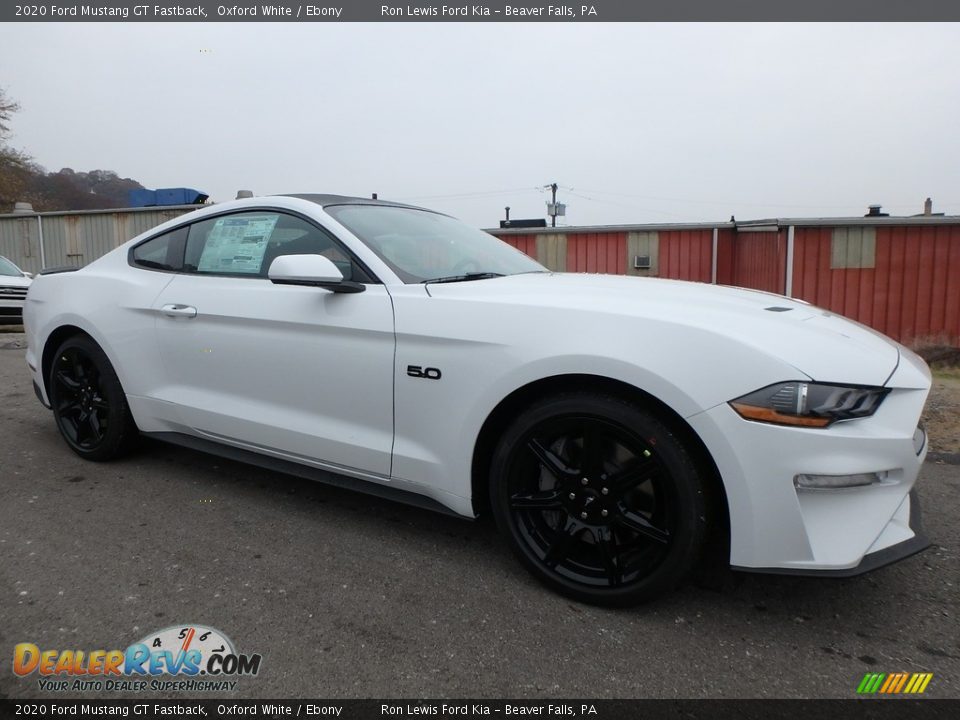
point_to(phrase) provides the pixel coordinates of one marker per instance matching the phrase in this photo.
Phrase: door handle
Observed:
(172, 310)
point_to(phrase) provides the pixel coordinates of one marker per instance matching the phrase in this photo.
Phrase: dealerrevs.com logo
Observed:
(199, 658)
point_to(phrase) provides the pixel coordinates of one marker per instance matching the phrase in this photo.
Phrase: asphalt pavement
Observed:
(346, 595)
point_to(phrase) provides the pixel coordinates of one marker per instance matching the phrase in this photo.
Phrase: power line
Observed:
(729, 203)
(624, 205)
(466, 195)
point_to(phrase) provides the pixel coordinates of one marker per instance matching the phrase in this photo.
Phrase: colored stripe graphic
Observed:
(900, 683)
(894, 683)
(892, 679)
(921, 682)
(871, 683)
(914, 681)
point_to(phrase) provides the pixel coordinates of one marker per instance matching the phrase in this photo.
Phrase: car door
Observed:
(301, 373)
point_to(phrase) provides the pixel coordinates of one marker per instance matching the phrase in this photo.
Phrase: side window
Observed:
(164, 252)
(230, 245)
(247, 243)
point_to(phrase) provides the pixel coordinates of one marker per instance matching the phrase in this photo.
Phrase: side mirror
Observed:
(28, 275)
(312, 271)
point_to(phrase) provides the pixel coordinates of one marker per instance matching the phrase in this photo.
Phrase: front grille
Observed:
(12, 293)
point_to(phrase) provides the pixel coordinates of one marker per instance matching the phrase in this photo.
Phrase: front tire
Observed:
(598, 499)
(88, 401)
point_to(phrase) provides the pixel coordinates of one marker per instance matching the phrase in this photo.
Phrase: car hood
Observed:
(818, 343)
(17, 281)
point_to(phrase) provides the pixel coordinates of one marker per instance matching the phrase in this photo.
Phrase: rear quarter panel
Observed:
(109, 301)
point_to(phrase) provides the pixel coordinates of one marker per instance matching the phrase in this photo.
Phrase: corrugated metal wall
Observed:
(523, 243)
(76, 239)
(911, 292)
(20, 241)
(686, 255)
(602, 252)
(678, 254)
(836, 289)
(725, 243)
(643, 245)
(552, 251)
(79, 239)
(760, 260)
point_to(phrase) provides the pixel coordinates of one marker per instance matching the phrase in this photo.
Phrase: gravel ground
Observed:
(942, 415)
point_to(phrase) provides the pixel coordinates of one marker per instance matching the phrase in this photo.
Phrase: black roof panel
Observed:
(325, 200)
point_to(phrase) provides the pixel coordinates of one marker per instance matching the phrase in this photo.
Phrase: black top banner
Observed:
(510, 709)
(427, 11)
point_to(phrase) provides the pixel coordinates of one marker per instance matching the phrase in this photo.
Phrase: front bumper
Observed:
(40, 397)
(11, 315)
(776, 526)
(878, 558)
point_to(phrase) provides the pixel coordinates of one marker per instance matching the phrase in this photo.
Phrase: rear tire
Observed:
(598, 499)
(88, 401)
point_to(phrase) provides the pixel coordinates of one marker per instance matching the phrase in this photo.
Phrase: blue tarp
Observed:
(167, 196)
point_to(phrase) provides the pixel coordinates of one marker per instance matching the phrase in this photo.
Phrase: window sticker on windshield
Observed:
(237, 244)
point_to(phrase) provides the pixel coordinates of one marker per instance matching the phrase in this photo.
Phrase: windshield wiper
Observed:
(466, 277)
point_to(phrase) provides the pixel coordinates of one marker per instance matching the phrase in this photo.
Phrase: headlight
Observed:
(809, 404)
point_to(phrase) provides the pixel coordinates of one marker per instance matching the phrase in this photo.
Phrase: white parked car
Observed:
(619, 429)
(13, 289)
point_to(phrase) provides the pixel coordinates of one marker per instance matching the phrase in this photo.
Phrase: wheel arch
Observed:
(111, 438)
(54, 340)
(719, 521)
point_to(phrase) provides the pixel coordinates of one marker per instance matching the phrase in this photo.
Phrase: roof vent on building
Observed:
(244, 194)
(523, 223)
(22, 208)
(928, 210)
(875, 211)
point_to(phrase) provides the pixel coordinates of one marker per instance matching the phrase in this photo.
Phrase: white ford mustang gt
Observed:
(619, 429)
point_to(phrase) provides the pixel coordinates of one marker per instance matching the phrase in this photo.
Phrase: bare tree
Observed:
(7, 109)
(17, 169)
(21, 179)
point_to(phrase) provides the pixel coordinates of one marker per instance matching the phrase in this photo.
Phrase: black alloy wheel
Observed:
(599, 500)
(88, 402)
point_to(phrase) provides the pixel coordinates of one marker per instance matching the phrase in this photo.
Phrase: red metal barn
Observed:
(898, 275)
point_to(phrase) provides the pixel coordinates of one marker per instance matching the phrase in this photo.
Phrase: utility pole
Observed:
(553, 208)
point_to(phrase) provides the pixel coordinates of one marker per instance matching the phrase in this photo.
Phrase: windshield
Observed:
(8, 268)
(419, 245)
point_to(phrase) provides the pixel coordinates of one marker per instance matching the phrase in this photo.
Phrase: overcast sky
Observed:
(635, 122)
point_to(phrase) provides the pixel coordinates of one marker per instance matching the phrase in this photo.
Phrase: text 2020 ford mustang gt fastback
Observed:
(618, 429)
